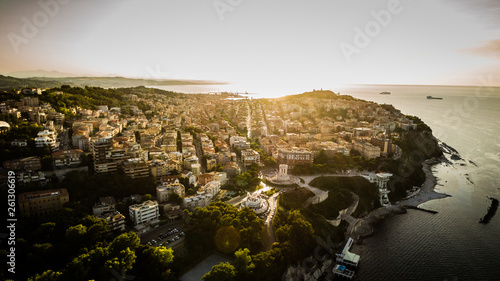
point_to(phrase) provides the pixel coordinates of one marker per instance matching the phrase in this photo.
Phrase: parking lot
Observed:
(168, 235)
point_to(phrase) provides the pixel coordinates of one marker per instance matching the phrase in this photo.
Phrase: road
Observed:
(249, 121)
(269, 237)
(199, 154)
(64, 140)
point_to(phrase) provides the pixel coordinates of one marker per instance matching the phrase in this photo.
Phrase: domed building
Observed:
(255, 203)
(4, 126)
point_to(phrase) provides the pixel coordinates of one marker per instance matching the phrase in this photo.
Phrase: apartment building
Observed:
(134, 168)
(249, 157)
(67, 157)
(366, 149)
(144, 212)
(29, 163)
(163, 192)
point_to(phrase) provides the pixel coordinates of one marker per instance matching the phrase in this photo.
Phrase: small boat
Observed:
(385, 93)
(433, 98)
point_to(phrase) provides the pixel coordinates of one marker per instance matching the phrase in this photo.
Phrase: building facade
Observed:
(135, 168)
(295, 156)
(144, 212)
(39, 203)
(67, 157)
(32, 163)
(249, 157)
(163, 192)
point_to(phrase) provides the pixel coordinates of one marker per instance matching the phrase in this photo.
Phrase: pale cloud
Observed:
(489, 49)
(484, 11)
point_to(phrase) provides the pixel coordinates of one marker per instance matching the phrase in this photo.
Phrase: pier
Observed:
(346, 257)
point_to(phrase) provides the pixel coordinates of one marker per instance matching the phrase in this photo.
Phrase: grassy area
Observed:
(295, 199)
(339, 187)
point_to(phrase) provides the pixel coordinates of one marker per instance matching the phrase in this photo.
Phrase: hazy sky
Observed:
(273, 44)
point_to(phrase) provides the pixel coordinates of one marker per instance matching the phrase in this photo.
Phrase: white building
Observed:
(221, 177)
(255, 203)
(249, 157)
(204, 196)
(144, 212)
(381, 179)
(44, 138)
(163, 192)
(105, 205)
(283, 173)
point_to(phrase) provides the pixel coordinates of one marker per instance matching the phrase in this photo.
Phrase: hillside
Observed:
(8, 82)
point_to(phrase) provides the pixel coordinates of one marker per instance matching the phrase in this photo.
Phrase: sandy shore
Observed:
(427, 192)
(364, 226)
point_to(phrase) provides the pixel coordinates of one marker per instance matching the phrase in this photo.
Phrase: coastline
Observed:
(427, 192)
(365, 227)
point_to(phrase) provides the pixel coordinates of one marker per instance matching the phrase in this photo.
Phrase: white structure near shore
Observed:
(346, 257)
(381, 180)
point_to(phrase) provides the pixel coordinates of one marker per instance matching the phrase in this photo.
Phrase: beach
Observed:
(427, 191)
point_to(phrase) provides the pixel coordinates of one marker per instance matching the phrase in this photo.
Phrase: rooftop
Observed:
(43, 194)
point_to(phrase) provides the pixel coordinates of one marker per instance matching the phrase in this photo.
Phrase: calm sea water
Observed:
(450, 245)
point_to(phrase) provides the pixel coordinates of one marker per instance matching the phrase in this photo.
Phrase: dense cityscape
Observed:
(112, 181)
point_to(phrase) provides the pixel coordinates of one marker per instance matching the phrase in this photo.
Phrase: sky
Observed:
(273, 45)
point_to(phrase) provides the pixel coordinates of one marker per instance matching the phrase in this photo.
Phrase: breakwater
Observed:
(492, 209)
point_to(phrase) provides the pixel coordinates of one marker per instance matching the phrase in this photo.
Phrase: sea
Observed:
(451, 244)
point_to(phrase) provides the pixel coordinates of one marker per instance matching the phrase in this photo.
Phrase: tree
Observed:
(75, 235)
(47, 162)
(99, 263)
(97, 228)
(122, 261)
(293, 228)
(220, 272)
(123, 241)
(225, 226)
(153, 263)
(48, 275)
(243, 263)
(270, 161)
(174, 197)
(322, 158)
(146, 197)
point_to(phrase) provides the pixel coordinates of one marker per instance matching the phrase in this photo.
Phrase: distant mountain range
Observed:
(9, 82)
(41, 73)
